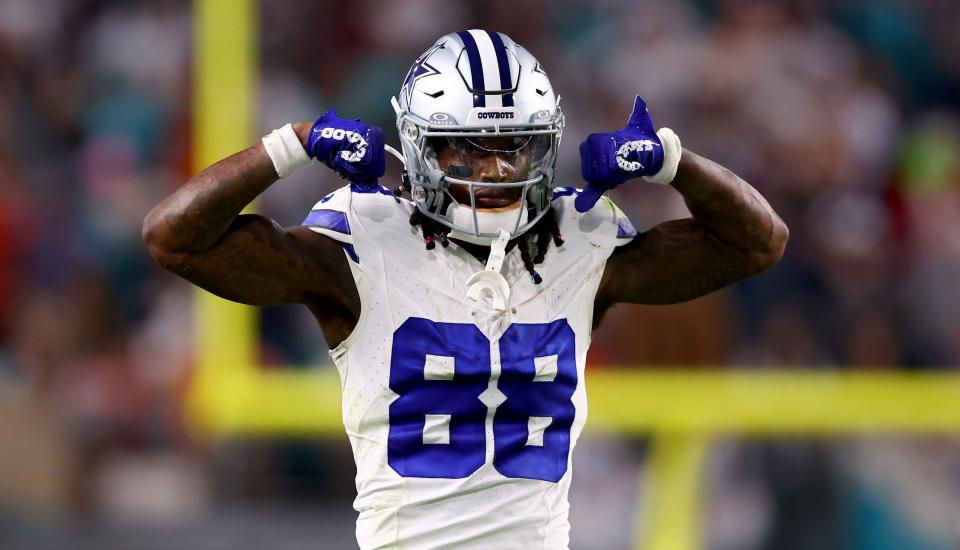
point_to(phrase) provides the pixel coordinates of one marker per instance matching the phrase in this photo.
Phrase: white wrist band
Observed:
(285, 150)
(671, 157)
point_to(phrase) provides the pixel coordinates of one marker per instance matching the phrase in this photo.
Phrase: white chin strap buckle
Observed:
(489, 285)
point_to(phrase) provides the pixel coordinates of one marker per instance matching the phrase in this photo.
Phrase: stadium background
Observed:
(844, 114)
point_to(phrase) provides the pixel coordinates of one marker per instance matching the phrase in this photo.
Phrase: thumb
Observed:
(587, 198)
(331, 114)
(374, 137)
(640, 117)
(323, 120)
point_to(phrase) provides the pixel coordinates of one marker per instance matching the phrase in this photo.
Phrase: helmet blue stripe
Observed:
(476, 69)
(505, 80)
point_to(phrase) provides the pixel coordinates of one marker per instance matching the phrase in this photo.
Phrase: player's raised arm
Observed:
(733, 234)
(198, 232)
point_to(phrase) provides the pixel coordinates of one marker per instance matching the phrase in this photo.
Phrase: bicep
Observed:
(258, 262)
(673, 262)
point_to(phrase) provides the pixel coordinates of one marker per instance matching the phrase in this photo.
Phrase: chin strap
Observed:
(489, 285)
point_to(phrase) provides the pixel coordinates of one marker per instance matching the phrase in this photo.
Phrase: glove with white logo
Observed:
(610, 159)
(349, 147)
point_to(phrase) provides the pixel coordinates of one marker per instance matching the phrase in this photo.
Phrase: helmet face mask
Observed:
(466, 143)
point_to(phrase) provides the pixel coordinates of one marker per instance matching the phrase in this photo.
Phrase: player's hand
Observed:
(349, 147)
(610, 159)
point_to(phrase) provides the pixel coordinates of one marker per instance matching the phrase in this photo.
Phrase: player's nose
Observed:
(494, 169)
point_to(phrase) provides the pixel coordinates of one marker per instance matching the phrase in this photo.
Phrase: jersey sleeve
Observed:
(358, 217)
(604, 225)
(331, 217)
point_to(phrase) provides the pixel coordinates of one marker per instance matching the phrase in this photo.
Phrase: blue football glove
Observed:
(610, 159)
(349, 147)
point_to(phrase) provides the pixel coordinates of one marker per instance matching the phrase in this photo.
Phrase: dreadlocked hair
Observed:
(533, 244)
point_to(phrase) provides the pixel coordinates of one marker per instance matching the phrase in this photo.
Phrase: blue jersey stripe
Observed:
(476, 68)
(625, 229)
(328, 219)
(506, 83)
(351, 251)
(370, 188)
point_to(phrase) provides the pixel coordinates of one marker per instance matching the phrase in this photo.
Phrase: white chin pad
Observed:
(488, 285)
(487, 222)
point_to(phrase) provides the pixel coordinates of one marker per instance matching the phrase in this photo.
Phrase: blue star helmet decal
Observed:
(419, 70)
(539, 69)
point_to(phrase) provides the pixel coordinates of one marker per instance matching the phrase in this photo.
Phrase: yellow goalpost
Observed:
(231, 395)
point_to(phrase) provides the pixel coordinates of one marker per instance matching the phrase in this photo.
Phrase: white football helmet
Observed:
(480, 93)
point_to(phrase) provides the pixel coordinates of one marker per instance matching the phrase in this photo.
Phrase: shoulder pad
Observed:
(603, 225)
(372, 202)
(330, 216)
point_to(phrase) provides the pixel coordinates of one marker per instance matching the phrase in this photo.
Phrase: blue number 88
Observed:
(542, 401)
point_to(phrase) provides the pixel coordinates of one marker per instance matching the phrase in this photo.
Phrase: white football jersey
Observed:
(463, 418)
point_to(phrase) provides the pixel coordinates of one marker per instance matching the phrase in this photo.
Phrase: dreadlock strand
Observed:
(543, 241)
(417, 219)
(554, 229)
(524, 245)
(533, 244)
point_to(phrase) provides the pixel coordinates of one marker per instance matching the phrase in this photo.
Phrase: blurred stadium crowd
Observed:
(844, 114)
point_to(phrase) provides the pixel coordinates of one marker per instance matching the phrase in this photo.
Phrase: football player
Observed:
(460, 318)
